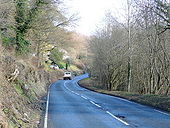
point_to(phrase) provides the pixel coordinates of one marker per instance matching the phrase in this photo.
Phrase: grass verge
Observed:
(157, 101)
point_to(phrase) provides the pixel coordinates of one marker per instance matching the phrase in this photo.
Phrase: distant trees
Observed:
(149, 53)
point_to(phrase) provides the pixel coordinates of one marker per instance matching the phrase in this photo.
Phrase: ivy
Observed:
(24, 19)
(22, 44)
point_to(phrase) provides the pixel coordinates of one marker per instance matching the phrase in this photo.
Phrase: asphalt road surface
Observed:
(70, 106)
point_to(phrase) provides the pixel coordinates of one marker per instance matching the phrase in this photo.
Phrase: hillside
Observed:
(22, 87)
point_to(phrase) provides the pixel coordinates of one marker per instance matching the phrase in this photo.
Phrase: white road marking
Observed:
(162, 112)
(46, 112)
(92, 102)
(98, 105)
(117, 118)
(132, 102)
(84, 97)
(95, 104)
(77, 94)
(69, 89)
(126, 100)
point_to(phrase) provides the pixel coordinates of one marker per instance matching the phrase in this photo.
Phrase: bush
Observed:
(61, 65)
(8, 41)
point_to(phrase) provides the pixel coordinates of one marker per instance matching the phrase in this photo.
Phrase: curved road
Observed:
(70, 106)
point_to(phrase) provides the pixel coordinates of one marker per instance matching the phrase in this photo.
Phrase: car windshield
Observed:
(67, 73)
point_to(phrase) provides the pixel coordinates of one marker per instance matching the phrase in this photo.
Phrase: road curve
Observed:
(71, 106)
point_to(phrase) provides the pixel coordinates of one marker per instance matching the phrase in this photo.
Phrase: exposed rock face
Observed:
(22, 85)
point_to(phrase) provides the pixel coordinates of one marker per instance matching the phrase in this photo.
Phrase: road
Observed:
(70, 106)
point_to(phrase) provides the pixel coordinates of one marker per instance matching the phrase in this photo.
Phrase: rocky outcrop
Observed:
(22, 86)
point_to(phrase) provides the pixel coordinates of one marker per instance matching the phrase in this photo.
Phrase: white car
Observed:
(55, 67)
(67, 76)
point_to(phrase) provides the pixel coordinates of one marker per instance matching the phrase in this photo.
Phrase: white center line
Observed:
(117, 118)
(92, 102)
(69, 89)
(84, 97)
(95, 104)
(77, 94)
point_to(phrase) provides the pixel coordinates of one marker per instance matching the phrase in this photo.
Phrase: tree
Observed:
(56, 56)
(142, 40)
(162, 9)
(24, 19)
(107, 55)
(129, 46)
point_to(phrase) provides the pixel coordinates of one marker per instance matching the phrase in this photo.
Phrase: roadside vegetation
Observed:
(133, 55)
(157, 101)
(131, 58)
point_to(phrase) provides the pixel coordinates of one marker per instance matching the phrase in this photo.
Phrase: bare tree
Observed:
(147, 44)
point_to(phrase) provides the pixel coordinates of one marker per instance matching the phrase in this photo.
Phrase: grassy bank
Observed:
(156, 101)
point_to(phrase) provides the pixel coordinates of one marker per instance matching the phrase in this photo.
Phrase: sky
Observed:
(91, 12)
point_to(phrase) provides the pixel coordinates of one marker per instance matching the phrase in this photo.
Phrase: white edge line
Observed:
(117, 118)
(46, 112)
(126, 100)
(162, 112)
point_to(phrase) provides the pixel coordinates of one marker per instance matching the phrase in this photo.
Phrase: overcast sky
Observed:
(91, 12)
